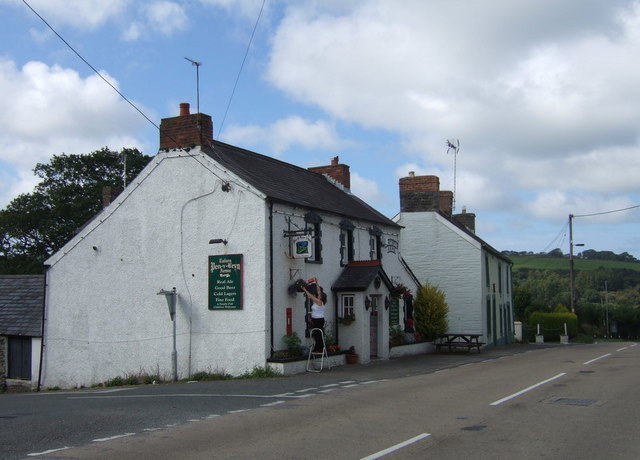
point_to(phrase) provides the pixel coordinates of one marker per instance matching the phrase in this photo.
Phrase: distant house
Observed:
(225, 232)
(21, 307)
(442, 248)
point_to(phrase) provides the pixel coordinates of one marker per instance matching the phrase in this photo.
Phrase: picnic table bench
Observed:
(451, 341)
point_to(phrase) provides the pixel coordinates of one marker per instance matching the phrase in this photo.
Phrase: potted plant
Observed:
(351, 356)
(347, 319)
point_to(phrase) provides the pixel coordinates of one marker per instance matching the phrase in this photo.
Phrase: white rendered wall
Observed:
(287, 270)
(104, 317)
(443, 255)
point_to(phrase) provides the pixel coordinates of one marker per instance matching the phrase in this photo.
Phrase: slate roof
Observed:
(21, 304)
(287, 183)
(358, 276)
(486, 246)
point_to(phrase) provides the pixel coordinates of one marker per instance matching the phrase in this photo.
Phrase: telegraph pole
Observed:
(572, 290)
(572, 284)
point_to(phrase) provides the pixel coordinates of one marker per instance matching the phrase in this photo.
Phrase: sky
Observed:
(543, 97)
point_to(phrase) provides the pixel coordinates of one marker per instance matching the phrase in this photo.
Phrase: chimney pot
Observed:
(412, 174)
(184, 109)
(334, 161)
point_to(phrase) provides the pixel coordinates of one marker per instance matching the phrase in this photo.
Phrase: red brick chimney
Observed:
(339, 172)
(468, 219)
(186, 130)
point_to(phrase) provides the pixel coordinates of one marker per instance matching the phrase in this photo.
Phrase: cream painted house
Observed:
(442, 248)
(225, 232)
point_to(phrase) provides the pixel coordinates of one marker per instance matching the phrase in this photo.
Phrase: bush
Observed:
(430, 311)
(260, 373)
(294, 344)
(552, 325)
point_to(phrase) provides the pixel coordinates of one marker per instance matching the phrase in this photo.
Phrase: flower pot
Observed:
(352, 358)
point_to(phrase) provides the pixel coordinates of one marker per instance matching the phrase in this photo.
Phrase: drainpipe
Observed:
(336, 310)
(271, 275)
(44, 304)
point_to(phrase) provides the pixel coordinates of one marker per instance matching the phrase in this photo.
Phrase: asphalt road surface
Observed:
(516, 402)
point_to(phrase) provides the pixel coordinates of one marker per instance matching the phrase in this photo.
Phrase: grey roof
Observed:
(486, 246)
(358, 276)
(21, 304)
(287, 183)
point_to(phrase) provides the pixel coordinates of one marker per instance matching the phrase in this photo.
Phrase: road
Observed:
(575, 401)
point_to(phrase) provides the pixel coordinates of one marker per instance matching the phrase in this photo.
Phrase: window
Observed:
(500, 278)
(346, 305)
(19, 365)
(313, 221)
(346, 242)
(486, 269)
(375, 243)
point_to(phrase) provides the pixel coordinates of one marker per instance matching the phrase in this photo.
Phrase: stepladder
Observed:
(317, 359)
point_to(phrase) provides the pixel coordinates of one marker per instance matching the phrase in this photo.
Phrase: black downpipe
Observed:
(271, 275)
(44, 304)
(335, 303)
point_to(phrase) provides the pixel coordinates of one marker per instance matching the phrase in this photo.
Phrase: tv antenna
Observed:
(454, 145)
(197, 64)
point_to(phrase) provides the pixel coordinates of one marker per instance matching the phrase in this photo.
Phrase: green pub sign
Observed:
(225, 282)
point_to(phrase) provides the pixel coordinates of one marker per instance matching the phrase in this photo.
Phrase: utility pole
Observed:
(606, 304)
(572, 289)
(572, 282)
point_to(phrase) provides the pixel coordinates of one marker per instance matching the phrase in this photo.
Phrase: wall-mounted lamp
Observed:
(387, 303)
(96, 248)
(218, 241)
(367, 303)
(226, 187)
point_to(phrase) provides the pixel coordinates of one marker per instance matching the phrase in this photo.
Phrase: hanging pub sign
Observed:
(225, 282)
(301, 247)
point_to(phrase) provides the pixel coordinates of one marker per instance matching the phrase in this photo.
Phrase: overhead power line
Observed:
(607, 212)
(90, 66)
(246, 53)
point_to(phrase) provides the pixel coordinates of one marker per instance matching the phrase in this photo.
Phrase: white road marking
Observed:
(110, 438)
(500, 401)
(238, 411)
(599, 357)
(330, 385)
(274, 403)
(396, 447)
(36, 454)
(192, 395)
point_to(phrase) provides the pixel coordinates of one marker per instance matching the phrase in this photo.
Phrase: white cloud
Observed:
(286, 133)
(53, 110)
(543, 95)
(368, 190)
(83, 14)
(167, 17)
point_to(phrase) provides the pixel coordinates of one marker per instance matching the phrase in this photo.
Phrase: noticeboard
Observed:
(225, 282)
(394, 312)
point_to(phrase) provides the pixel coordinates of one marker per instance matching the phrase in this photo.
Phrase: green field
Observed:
(556, 263)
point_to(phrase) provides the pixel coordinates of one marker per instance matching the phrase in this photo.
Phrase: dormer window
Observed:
(313, 222)
(346, 242)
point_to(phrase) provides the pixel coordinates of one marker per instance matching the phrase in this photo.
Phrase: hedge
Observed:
(552, 325)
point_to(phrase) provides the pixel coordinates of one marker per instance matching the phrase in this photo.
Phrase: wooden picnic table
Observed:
(454, 340)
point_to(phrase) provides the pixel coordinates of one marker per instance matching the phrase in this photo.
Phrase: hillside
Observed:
(536, 262)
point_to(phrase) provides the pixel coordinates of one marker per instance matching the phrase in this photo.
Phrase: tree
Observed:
(430, 311)
(35, 225)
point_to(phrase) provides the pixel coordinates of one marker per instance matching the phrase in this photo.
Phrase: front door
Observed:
(373, 327)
